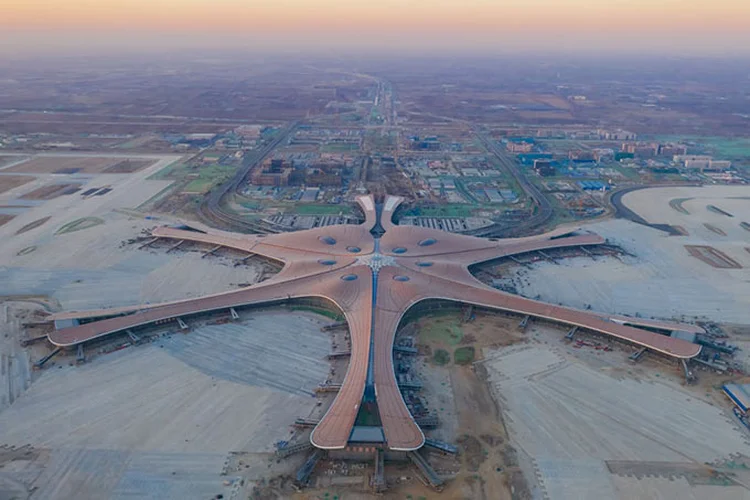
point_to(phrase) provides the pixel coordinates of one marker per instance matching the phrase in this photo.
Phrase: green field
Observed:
(730, 148)
(79, 224)
(169, 172)
(446, 330)
(629, 173)
(204, 177)
(441, 357)
(464, 355)
(199, 186)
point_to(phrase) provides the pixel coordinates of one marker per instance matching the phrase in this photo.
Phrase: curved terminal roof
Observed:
(374, 289)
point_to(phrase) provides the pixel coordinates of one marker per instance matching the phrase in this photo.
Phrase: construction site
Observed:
(156, 357)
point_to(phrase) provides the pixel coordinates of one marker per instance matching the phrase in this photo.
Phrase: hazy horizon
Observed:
(680, 27)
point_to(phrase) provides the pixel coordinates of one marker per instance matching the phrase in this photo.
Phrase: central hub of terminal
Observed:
(376, 261)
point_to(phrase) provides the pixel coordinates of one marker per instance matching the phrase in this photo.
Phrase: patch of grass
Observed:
(464, 355)
(168, 172)
(208, 177)
(444, 330)
(198, 186)
(725, 147)
(441, 357)
(26, 250)
(79, 224)
(204, 177)
(728, 147)
(677, 205)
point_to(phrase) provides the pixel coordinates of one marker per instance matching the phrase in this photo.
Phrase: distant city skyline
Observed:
(668, 26)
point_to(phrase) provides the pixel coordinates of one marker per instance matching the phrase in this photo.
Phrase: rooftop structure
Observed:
(374, 273)
(739, 394)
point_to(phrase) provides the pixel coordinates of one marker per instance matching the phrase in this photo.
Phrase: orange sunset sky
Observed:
(703, 26)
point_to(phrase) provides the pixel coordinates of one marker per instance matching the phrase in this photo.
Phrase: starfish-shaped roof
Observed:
(374, 281)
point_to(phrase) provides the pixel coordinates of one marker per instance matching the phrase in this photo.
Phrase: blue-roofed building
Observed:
(593, 185)
(739, 394)
(493, 195)
(528, 158)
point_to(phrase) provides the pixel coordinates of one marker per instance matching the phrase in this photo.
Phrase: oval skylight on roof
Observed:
(328, 240)
(424, 263)
(401, 278)
(349, 277)
(353, 249)
(399, 250)
(427, 242)
(327, 262)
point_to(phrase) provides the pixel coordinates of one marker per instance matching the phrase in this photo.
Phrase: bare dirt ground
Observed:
(469, 414)
(557, 417)
(8, 182)
(73, 164)
(7, 160)
(4, 218)
(50, 192)
(127, 166)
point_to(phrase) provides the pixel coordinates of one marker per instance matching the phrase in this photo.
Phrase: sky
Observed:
(679, 26)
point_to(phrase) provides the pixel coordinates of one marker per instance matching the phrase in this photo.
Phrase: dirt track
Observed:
(488, 466)
(8, 182)
(73, 164)
(50, 192)
(5, 218)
